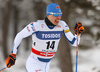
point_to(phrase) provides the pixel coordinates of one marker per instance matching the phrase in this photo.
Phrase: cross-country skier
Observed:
(46, 35)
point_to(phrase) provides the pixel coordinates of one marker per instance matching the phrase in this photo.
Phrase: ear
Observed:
(48, 16)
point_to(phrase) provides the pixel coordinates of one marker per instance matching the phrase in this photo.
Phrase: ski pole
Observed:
(77, 53)
(3, 69)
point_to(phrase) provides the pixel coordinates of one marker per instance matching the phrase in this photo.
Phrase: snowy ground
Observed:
(88, 61)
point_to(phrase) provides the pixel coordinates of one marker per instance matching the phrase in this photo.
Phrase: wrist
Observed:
(13, 55)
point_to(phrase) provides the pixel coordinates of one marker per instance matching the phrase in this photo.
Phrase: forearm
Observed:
(16, 43)
(71, 38)
(75, 43)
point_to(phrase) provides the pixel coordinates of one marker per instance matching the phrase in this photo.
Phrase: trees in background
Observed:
(19, 13)
(6, 13)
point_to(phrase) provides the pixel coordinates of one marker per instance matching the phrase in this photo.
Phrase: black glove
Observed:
(78, 28)
(10, 61)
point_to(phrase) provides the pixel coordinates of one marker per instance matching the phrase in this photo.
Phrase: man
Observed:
(46, 35)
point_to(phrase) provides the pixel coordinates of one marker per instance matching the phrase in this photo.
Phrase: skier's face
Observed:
(53, 19)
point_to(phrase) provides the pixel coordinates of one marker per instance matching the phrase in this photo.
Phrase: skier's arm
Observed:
(69, 36)
(27, 31)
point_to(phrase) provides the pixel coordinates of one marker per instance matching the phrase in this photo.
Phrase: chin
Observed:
(56, 23)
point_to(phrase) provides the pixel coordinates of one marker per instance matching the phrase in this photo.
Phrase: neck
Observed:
(48, 22)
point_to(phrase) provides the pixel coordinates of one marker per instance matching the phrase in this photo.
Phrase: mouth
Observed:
(57, 21)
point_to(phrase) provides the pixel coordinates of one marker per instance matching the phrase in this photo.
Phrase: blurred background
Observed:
(16, 14)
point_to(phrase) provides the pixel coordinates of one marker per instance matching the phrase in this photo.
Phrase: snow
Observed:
(98, 7)
(79, 10)
(88, 61)
(87, 22)
(95, 30)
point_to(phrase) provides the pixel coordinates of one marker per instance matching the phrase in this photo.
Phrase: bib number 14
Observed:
(50, 45)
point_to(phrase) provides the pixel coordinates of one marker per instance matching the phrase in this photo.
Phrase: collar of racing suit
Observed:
(47, 21)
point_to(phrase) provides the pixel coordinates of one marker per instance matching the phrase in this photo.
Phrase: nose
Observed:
(59, 17)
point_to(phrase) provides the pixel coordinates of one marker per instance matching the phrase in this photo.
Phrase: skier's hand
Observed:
(10, 61)
(78, 27)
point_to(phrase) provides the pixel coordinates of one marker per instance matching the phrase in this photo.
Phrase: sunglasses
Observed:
(55, 14)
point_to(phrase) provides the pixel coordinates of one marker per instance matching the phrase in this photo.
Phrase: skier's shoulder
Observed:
(36, 24)
(63, 23)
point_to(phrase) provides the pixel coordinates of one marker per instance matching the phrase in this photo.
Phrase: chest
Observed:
(46, 33)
